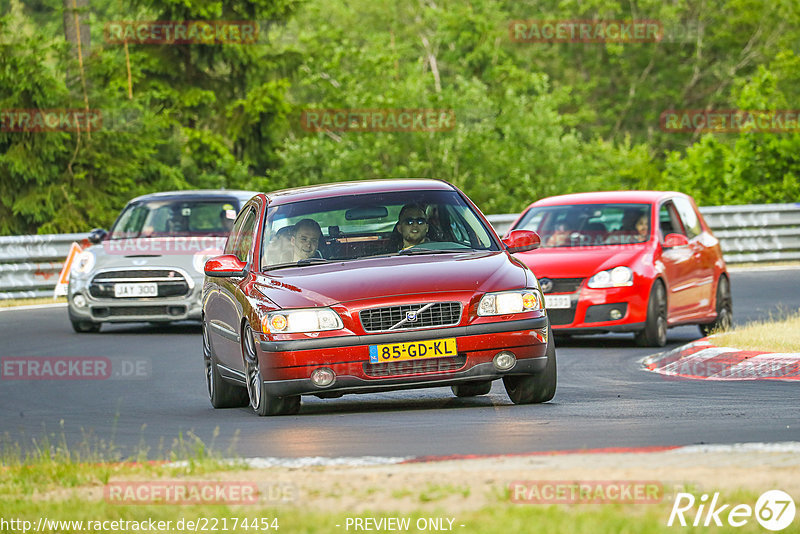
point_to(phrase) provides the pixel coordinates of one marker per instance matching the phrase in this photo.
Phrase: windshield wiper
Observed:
(311, 261)
(414, 251)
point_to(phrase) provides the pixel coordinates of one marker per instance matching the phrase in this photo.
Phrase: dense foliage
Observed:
(531, 119)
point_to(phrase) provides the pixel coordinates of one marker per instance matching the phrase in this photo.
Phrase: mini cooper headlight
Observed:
(302, 320)
(505, 302)
(616, 277)
(83, 263)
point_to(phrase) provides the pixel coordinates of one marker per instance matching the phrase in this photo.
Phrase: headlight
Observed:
(616, 277)
(505, 302)
(83, 263)
(303, 320)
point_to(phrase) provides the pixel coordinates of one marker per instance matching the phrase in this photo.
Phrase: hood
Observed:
(370, 278)
(580, 262)
(189, 254)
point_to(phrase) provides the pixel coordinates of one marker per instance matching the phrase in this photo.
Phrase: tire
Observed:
(86, 327)
(221, 393)
(471, 389)
(260, 400)
(534, 389)
(724, 305)
(654, 333)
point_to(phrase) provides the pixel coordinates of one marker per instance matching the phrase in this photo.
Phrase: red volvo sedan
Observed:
(627, 261)
(371, 286)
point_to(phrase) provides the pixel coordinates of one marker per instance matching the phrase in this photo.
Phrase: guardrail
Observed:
(29, 265)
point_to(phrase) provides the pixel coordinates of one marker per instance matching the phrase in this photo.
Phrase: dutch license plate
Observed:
(556, 302)
(413, 350)
(136, 290)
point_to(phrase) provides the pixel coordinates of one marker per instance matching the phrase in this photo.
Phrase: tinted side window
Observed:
(668, 220)
(237, 226)
(689, 217)
(244, 238)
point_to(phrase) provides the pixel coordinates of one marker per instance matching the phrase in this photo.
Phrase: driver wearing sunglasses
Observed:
(412, 224)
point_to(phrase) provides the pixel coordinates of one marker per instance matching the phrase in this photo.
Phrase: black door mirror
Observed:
(97, 235)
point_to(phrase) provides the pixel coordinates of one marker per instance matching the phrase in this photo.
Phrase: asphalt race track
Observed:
(603, 400)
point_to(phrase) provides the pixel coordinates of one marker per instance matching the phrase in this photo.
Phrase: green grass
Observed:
(779, 333)
(56, 482)
(303, 517)
(12, 303)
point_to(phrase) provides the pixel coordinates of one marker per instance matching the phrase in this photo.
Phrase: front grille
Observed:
(418, 367)
(560, 317)
(137, 311)
(171, 283)
(383, 319)
(565, 285)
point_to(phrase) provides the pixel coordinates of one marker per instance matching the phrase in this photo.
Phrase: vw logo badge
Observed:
(547, 285)
(411, 316)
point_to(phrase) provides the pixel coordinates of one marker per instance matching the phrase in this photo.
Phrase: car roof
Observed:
(641, 197)
(361, 187)
(191, 194)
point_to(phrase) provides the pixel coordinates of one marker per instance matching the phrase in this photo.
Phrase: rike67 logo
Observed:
(774, 510)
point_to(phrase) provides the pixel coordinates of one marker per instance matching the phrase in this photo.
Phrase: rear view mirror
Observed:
(225, 266)
(522, 241)
(675, 240)
(365, 213)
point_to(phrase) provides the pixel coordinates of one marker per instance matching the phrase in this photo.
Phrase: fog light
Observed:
(323, 377)
(175, 310)
(615, 314)
(505, 360)
(79, 301)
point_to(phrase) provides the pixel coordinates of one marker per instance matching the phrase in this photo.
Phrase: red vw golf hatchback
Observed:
(371, 286)
(627, 261)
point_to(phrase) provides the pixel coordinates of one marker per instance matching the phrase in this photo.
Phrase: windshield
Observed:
(168, 218)
(583, 225)
(362, 226)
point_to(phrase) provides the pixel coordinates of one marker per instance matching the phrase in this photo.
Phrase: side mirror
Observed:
(521, 241)
(675, 240)
(97, 235)
(225, 266)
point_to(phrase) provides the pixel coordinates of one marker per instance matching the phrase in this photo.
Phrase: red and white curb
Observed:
(792, 447)
(703, 360)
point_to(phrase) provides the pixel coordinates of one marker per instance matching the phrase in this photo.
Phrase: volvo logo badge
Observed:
(547, 285)
(411, 316)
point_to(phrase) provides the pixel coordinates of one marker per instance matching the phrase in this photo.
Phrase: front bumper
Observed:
(590, 310)
(287, 365)
(127, 310)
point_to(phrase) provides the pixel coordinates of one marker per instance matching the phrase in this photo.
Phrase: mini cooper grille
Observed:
(137, 311)
(431, 365)
(171, 283)
(564, 285)
(438, 314)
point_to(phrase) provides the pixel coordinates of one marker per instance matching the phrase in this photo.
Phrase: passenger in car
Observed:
(412, 226)
(635, 229)
(305, 240)
(279, 249)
